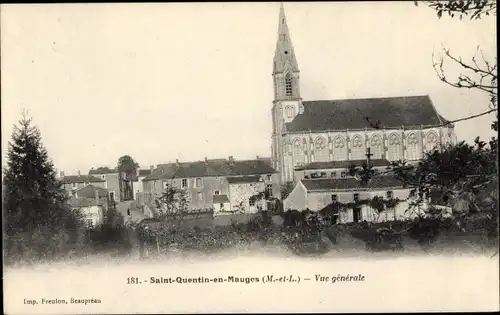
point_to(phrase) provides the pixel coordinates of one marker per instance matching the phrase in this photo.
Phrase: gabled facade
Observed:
(111, 179)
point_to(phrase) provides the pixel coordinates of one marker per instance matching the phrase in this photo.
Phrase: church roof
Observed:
(386, 112)
(341, 164)
(348, 183)
(211, 168)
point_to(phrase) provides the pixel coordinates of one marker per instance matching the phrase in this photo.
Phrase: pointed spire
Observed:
(284, 49)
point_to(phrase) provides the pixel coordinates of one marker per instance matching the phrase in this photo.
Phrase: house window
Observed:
(356, 197)
(73, 185)
(334, 174)
(200, 196)
(184, 183)
(343, 174)
(389, 194)
(268, 178)
(269, 190)
(112, 195)
(103, 176)
(251, 202)
(198, 182)
(165, 185)
(288, 85)
(221, 206)
(334, 198)
(216, 192)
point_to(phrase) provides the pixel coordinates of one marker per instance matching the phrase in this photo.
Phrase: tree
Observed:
(34, 201)
(478, 74)
(127, 165)
(173, 201)
(127, 168)
(475, 9)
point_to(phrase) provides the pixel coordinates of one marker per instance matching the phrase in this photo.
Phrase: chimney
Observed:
(61, 174)
(231, 160)
(257, 157)
(206, 161)
(177, 162)
(79, 173)
(151, 168)
(96, 197)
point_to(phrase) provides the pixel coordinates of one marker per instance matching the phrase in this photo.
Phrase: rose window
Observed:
(432, 138)
(412, 139)
(339, 143)
(357, 142)
(376, 142)
(394, 140)
(320, 144)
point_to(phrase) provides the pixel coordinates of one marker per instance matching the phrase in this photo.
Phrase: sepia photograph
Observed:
(249, 157)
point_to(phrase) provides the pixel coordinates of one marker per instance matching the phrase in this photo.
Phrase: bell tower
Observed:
(287, 101)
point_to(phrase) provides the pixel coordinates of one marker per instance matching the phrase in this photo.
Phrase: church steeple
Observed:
(284, 56)
(287, 102)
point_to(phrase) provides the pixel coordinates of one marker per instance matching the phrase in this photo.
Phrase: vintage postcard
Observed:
(249, 157)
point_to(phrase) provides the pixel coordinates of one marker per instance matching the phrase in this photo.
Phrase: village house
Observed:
(225, 185)
(92, 209)
(73, 183)
(90, 191)
(137, 184)
(111, 178)
(316, 194)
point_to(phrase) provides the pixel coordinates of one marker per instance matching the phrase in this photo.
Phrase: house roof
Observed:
(103, 170)
(331, 184)
(390, 112)
(81, 179)
(210, 168)
(341, 164)
(144, 172)
(86, 202)
(243, 179)
(89, 191)
(220, 199)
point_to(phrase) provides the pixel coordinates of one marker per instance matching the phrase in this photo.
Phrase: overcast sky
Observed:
(167, 81)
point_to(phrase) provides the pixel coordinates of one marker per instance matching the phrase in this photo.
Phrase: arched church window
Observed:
(298, 151)
(288, 84)
(339, 149)
(376, 147)
(431, 141)
(394, 148)
(357, 148)
(412, 147)
(320, 150)
(290, 111)
(297, 148)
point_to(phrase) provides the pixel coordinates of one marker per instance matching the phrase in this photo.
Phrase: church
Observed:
(323, 134)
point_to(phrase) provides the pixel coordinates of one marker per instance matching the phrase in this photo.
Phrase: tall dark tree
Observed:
(33, 198)
(127, 165)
